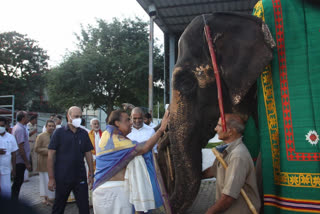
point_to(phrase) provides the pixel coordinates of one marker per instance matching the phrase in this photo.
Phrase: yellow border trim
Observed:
(310, 180)
(115, 149)
(291, 179)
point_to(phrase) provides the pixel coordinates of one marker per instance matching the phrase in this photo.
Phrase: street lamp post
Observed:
(152, 14)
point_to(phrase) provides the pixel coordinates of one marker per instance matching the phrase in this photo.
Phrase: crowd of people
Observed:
(101, 168)
(24, 153)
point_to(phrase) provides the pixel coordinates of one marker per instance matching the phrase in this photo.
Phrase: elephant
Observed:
(243, 47)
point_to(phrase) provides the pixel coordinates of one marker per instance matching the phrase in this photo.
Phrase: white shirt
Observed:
(9, 143)
(59, 126)
(96, 142)
(141, 135)
(152, 125)
(44, 129)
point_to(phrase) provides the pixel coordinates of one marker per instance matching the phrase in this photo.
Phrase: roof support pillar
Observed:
(150, 100)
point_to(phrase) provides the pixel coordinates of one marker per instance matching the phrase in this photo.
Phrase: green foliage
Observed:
(110, 67)
(22, 66)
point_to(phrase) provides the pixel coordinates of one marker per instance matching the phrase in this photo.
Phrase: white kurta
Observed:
(141, 135)
(7, 142)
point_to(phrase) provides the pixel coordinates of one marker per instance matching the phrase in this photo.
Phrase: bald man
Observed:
(239, 174)
(140, 132)
(67, 149)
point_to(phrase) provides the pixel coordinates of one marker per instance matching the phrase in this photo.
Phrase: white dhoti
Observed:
(5, 184)
(138, 185)
(26, 175)
(44, 191)
(111, 198)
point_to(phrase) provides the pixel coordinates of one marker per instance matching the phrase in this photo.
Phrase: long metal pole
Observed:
(164, 72)
(151, 67)
(12, 111)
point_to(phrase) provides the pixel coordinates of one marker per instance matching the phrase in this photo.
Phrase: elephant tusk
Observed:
(243, 193)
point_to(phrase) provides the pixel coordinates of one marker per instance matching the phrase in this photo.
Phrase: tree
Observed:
(22, 65)
(110, 67)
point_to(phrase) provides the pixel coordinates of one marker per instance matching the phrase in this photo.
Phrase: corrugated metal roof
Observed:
(174, 15)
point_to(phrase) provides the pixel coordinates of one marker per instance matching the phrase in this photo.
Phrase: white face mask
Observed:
(2, 129)
(76, 122)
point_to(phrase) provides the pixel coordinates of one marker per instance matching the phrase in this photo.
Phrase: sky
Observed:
(54, 23)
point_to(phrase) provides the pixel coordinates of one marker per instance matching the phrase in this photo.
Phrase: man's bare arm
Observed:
(221, 205)
(89, 160)
(50, 164)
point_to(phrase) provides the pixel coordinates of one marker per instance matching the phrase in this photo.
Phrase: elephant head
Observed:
(243, 46)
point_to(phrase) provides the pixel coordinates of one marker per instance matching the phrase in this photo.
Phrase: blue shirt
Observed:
(70, 150)
(22, 136)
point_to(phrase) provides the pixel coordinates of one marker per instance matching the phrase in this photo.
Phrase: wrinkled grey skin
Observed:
(243, 47)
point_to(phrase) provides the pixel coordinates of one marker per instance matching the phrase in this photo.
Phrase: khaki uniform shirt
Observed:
(41, 147)
(239, 174)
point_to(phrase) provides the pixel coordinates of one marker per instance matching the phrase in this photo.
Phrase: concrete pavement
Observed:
(30, 194)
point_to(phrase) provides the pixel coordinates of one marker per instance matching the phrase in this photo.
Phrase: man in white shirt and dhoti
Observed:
(140, 132)
(118, 161)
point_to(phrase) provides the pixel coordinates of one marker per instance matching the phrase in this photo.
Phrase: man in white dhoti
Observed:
(118, 162)
(41, 148)
(8, 147)
(140, 132)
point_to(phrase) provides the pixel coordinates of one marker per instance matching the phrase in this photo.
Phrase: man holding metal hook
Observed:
(240, 172)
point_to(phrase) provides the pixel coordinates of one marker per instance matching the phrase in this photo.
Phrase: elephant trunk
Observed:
(186, 156)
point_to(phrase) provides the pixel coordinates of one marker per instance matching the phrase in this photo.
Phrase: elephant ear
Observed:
(243, 46)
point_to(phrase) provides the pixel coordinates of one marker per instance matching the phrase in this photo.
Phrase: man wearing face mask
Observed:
(8, 147)
(67, 149)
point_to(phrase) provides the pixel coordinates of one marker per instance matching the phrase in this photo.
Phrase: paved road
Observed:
(30, 194)
(205, 197)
